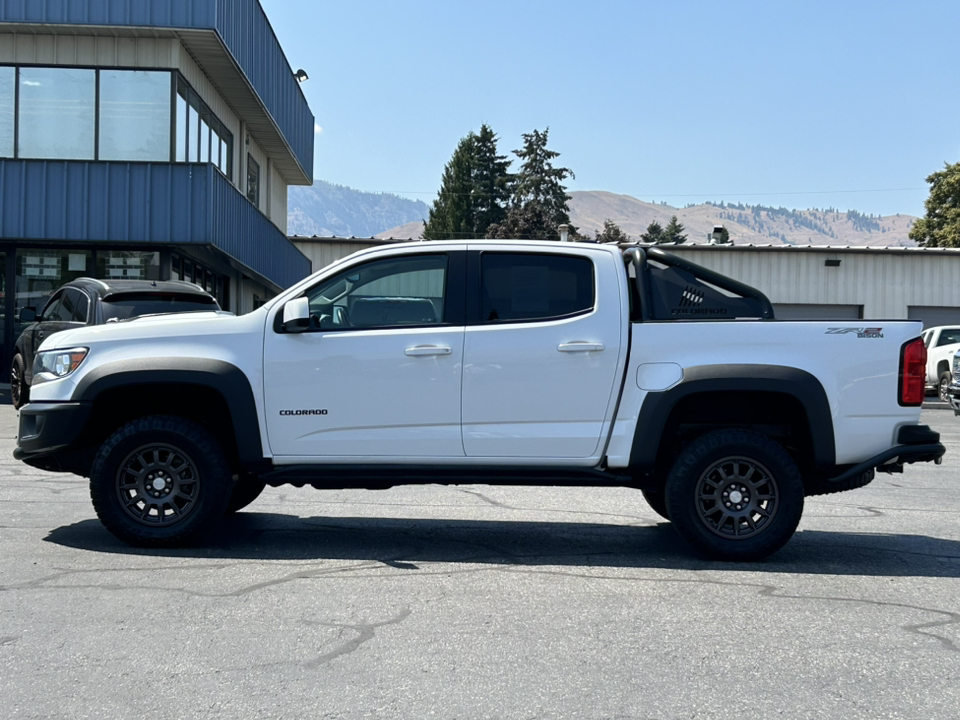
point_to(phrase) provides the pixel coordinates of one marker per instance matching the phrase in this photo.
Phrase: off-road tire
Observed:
(735, 495)
(160, 481)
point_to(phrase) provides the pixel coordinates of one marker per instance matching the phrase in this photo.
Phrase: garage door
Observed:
(791, 311)
(933, 316)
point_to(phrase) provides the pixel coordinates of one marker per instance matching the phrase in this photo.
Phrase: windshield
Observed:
(122, 307)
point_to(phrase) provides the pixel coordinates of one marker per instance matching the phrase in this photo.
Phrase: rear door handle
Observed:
(427, 350)
(580, 347)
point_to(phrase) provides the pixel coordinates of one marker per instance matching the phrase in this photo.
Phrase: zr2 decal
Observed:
(868, 333)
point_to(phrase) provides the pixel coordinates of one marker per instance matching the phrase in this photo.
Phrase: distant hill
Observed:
(334, 210)
(747, 224)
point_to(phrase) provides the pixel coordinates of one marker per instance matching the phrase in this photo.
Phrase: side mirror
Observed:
(296, 315)
(28, 315)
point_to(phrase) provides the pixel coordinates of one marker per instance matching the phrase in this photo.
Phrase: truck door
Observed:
(541, 354)
(378, 371)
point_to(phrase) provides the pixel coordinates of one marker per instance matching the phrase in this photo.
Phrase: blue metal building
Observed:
(147, 139)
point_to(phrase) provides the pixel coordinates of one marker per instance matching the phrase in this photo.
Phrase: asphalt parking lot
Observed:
(481, 602)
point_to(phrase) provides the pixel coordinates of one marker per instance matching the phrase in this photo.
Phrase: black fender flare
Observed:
(226, 379)
(798, 384)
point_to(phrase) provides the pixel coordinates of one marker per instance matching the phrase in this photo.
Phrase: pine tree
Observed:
(538, 205)
(491, 182)
(673, 233)
(654, 234)
(473, 192)
(450, 216)
(611, 233)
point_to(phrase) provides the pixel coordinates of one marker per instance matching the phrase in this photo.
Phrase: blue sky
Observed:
(800, 104)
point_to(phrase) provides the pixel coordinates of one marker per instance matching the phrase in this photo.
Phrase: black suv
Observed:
(86, 301)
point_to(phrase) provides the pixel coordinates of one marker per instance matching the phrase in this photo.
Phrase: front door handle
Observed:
(580, 347)
(427, 350)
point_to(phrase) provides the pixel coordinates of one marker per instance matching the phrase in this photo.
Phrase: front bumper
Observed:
(953, 397)
(50, 434)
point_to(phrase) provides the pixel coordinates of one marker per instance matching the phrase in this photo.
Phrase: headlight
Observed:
(56, 364)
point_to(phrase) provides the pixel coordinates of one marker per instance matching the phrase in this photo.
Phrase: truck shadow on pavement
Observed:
(407, 543)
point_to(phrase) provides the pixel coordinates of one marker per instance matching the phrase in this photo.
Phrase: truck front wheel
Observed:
(160, 481)
(943, 387)
(735, 495)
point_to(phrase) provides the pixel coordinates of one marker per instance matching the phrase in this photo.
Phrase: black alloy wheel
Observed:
(735, 495)
(158, 484)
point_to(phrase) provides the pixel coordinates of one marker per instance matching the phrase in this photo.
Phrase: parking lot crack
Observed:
(365, 632)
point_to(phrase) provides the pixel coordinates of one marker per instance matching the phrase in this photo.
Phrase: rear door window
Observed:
(528, 287)
(66, 311)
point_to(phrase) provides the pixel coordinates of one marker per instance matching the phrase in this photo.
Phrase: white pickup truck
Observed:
(941, 343)
(507, 362)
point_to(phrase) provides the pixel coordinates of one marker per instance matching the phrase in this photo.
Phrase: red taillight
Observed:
(913, 372)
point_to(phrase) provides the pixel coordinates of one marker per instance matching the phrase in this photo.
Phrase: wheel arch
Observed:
(214, 393)
(777, 398)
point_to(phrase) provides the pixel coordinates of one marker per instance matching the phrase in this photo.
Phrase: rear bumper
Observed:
(917, 443)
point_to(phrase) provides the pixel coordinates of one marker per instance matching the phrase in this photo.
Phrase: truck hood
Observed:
(173, 326)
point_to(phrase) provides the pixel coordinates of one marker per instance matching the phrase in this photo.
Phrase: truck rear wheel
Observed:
(160, 481)
(735, 495)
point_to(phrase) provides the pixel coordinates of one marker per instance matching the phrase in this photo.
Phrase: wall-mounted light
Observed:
(301, 75)
(832, 262)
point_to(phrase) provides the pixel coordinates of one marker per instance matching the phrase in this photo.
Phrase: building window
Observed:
(134, 116)
(128, 265)
(40, 272)
(62, 113)
(253, 180)
(8, 84)
(201, 137)
(57, 113)
(215, 284)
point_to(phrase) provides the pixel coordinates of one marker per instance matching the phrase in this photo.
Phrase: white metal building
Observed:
(803, 282)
